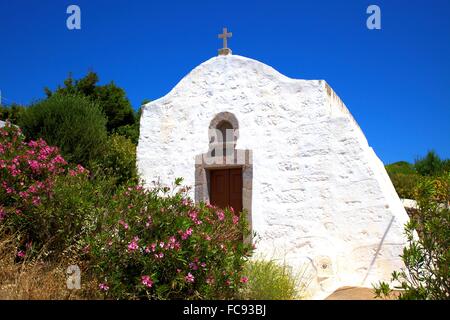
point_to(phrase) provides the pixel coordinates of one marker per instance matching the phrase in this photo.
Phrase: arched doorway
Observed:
(224, 175)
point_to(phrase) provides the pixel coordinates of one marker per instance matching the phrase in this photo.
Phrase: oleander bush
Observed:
(138, 244)
(157, 244)
(27, 172)
(426, 274)
(43, 200)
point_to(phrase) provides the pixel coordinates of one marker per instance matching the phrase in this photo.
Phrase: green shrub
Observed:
(404, 178)
(405, 184)
(402, 167)
(269, 280)
(73, 123)
(158, 245)
(72, 212)
(427, 257)
(118, 160)
(129, 131)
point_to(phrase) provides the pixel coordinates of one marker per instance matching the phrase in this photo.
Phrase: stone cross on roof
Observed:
(225, 35)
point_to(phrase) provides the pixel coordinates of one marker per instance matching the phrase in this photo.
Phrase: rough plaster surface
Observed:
(321, 198)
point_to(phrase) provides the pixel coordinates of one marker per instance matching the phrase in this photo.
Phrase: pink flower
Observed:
(2, 213)
(228, 282)
(36, 200)
(210, 280)
(186, 234)
(32, 189)
(235, 219)
(193, 266)
(220, 215)
(59, 159)
(189, 278)
(124, 224)
(34, 165)
(133, 245)
(147, 281)
(23, 194)
(244, 280)
(159, 255)
(81, 169)
(103, 287)
(172, 243)
(21, 254)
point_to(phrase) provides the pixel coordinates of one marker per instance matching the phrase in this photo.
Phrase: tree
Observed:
(131, 131)
(74, 123)
(430, 165)
(111, 99)
(11, 113)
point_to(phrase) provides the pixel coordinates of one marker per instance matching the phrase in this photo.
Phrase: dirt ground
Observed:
(353, 293)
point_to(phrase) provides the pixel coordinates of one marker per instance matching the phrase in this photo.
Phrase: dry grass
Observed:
(37, 279)
(269, 280)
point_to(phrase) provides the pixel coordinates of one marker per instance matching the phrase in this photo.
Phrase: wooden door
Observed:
(226, 188)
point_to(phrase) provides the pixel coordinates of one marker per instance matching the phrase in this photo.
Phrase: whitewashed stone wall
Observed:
(321, 198)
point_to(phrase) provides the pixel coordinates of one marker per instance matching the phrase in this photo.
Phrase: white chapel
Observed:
(288, 152)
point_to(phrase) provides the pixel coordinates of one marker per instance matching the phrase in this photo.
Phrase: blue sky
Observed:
(395, 81)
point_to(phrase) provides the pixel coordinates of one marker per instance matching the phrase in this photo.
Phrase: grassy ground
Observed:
(269, 280)
(36, 279)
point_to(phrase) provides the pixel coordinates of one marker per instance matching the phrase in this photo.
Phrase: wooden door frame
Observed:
(244, 160)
